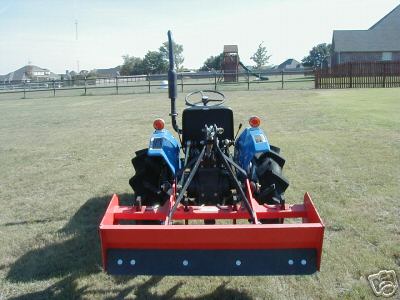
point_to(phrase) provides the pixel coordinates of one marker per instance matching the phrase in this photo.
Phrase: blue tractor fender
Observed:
(251, 142)
(163, 144)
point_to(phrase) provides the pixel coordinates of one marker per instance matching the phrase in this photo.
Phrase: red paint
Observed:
(158, 124)
(254, 121)
(308, 234)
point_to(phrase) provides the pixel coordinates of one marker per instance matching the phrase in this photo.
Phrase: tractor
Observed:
(210, 202)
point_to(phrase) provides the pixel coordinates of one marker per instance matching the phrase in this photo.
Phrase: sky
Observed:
(42, 32)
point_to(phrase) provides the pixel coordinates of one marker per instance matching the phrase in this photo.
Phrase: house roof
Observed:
(111, 72)
(383, 36)
(34, 68)
(390, 17)
(289, 63)
(54, 76)
(231, 48)
(17, 75)
(20, 74)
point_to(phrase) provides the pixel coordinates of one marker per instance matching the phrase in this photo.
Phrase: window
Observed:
(386, 55)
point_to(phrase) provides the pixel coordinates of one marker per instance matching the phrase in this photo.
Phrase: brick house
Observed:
(381, 42)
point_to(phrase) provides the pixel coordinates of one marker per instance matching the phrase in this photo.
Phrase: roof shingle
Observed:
(383, 36)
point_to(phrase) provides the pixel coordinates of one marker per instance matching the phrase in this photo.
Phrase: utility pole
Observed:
(76, 29)
(76, 38)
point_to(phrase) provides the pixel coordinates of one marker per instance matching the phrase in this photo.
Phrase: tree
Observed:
(178, 56)
(132, 66)
(154, 62)
(213, 63)
(92, 74)
(318, 56)
(260, 57)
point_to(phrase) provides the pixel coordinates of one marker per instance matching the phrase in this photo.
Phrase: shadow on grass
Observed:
(221, 292)
(68, 289)
(80, 256)
(143, 292)
(80, 253)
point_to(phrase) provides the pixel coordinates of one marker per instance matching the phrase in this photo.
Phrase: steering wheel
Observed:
(205, 99)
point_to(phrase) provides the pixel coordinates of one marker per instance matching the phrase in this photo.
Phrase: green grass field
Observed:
(62, 158)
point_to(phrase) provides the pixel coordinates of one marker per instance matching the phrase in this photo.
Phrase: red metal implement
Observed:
(223, 249)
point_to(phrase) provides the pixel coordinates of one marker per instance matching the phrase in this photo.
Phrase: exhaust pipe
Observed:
(172, 78)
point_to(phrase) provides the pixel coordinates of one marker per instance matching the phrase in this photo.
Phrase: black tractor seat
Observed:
(195, 118)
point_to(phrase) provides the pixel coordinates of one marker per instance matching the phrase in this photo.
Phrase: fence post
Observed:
(315, 79)
(149, 79)
(215, 80)
(181, 82)
(282, 79)
(248, 80)
(85, 86)
(351, 74)
(24, 89)
(116, 83)
(384, 75)
(54, 88)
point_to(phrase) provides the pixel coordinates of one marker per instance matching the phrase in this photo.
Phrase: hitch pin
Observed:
(155, 207)
(222, 207)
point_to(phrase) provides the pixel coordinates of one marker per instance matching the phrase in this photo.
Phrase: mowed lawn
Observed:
(62, 158)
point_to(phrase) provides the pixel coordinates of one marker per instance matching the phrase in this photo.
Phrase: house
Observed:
(289, 65)
(83, 73)
(381, 42)
(111, 72)
(29, 73)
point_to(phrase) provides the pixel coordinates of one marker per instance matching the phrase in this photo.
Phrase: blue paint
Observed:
(252, 141)
(162, 143)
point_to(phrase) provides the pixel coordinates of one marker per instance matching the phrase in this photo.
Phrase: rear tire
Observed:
(150, 174)
(267, 171)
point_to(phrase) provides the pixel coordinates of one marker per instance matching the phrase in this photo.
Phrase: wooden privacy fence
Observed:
(359, 75)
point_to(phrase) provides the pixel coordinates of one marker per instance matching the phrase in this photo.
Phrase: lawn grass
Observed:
(62, 158)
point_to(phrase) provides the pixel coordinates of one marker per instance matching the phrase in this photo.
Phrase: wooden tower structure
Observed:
(230, 63)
